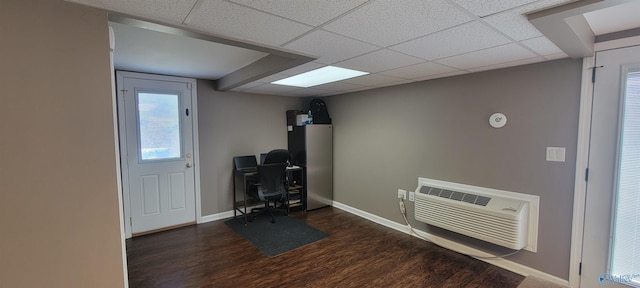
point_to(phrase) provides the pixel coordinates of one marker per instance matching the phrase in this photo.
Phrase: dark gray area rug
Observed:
(274, 239)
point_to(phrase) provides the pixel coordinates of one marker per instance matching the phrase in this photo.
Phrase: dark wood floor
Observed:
(358, 253)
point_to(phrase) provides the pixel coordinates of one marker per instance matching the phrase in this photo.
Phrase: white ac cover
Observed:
(499, 220)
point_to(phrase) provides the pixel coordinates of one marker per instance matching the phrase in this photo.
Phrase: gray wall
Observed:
(385, 139)
(235, 124)
(59, 212)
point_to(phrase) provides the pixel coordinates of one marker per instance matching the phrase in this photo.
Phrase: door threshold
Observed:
(163, 229)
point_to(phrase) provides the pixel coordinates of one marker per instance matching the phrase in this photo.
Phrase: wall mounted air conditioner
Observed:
(504, 218)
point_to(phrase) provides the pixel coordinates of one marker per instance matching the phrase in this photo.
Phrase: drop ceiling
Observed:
(397, 41)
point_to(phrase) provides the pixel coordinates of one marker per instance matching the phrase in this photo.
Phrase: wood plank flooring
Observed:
(358, 253)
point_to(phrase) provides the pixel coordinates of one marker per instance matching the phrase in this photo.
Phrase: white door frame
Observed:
(116, 146)
(582, 154)
(123, 140)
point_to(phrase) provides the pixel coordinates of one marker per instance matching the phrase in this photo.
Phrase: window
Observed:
(625, 258)
(159, 122)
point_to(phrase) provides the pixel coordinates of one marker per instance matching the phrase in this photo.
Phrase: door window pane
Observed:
(159, 126)
(625, 258)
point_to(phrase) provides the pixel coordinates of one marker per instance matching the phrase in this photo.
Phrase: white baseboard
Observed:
(214, 217)
(223, 215)
(460, 248)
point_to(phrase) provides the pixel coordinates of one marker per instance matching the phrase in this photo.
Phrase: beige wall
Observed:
(235, 124)
(385, 139)
(59, 213)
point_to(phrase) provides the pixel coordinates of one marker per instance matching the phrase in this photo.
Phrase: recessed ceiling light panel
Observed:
(320, 76)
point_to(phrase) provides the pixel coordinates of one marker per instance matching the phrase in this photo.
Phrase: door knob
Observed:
(188, 165)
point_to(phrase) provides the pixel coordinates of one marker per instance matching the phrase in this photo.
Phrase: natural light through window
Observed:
(159, 122)
(320, 76)
(625, 258)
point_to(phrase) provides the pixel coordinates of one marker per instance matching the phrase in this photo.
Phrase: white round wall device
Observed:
(497, 120)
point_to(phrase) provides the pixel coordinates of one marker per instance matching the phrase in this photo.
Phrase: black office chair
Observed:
(277, 156)
(269, 188)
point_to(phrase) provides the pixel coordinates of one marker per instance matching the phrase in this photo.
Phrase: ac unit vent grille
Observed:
(469, 198)
(500, 217)
(454, 195)
(482, 201)
(457, 196)
(445, 194)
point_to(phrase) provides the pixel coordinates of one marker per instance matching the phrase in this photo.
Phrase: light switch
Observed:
(560, 154)
(556, 154)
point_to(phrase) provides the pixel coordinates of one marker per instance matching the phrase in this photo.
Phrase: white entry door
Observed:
(611, 245)
(157, 148)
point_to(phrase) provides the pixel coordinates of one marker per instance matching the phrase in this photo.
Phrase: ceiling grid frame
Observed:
(330, 25)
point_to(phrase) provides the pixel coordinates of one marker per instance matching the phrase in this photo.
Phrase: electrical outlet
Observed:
(412, 196)
(402, 194)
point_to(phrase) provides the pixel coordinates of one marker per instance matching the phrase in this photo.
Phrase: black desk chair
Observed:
(277, 156)
(271, 187)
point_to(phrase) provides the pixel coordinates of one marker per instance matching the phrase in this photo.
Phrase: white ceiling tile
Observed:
(418, 71)
(362, 88)
(305, 92)
(164, 10)
(487, 7)
(338, 86)
(232, 20)
(330, 46)
(379, 61)
(458, 40)
(306, 67)
(372, 80)
(508, 64)
(443, 75)
(399, 82)
(542, 46)
(311, 12)
(514, 22)
(495, 55)
(386, 23)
